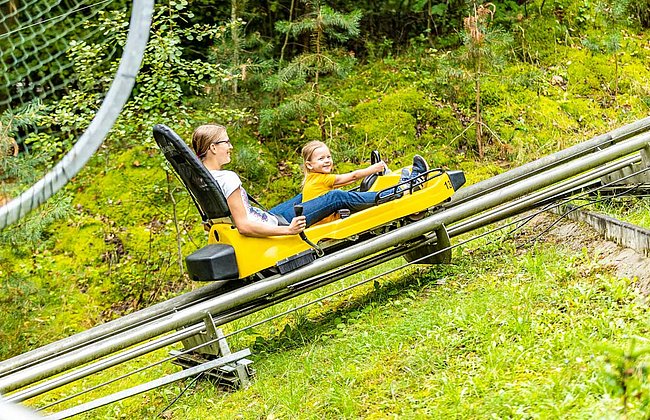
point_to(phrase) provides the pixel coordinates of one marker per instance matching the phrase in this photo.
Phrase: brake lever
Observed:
(298, 209)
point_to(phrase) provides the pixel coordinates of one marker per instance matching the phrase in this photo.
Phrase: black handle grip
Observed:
(298, 209)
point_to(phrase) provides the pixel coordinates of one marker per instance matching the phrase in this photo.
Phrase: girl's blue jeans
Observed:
(321, 207)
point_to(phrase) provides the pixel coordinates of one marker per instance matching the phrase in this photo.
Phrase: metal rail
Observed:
(106, 330)
(525, 203)
(547, 162)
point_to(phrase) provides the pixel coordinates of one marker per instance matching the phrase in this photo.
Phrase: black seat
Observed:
(203, 188)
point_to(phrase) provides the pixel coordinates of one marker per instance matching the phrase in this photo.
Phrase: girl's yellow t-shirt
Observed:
(317, 185)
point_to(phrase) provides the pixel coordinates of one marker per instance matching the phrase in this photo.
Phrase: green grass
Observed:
(502, 333)
(635, 210)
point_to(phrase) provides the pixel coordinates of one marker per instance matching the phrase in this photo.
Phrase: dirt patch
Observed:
(626, 262)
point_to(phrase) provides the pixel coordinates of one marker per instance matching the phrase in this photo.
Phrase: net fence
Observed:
(35, 36)
(41, 45)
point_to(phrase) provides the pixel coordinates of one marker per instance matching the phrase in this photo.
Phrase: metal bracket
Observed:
(441, 250)
(213, 345)
(643, 178)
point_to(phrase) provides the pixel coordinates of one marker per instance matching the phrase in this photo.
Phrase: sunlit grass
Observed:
(631, 209)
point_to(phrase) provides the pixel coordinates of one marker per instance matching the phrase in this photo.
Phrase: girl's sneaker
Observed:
(420, 166)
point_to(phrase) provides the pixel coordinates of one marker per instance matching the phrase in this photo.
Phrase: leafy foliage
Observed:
(321, 25)
(28, 234)
(17, 172)
(165, 78)
(629, 376)
(640, 10)
(11, 122)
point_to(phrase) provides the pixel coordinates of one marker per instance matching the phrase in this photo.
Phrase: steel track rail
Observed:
(238, 297)
(525, 203)
(308, 285)
(220, 319)
(106, 330)
(548, 162)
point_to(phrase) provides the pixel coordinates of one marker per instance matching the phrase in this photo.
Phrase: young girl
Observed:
(319, 179)
(318, 166)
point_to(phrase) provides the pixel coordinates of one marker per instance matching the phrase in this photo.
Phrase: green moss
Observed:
(405, 121)
(83, 240)
(589, 75)
(476, 171)
(119, 192)
(633, 78)
(393, 127)
(493, 92)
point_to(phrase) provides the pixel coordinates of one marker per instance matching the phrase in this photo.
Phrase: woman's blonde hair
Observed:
(205, 135)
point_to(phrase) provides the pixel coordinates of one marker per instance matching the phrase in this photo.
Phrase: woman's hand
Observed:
(298, 224)
(256, 229)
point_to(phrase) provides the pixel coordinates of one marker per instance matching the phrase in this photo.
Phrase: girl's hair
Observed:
(308, 150)
(204, 136)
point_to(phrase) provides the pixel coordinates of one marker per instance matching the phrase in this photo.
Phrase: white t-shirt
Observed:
(228, 182)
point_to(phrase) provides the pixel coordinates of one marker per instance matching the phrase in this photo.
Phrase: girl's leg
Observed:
(321, 207)
(285, 209)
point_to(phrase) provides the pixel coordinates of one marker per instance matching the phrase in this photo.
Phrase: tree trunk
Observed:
(286, 36)
(478, 121)
(179, 243)
(319, 108)
(615, 74)
(234, 34)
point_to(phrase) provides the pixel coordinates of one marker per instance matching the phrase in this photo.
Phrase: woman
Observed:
(212, 145)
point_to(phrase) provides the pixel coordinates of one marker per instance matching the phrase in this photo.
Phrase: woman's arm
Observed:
(248, 227)
(350, 177)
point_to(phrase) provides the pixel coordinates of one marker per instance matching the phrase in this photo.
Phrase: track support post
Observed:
(212, 345)
(438, 253)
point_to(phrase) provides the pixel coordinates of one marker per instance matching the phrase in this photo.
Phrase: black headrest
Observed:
(207, 195)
